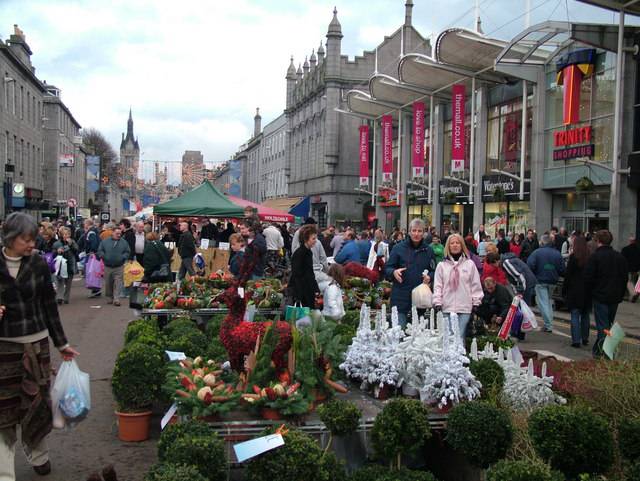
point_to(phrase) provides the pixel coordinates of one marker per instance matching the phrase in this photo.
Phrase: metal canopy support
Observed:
(617, 118)
(523, 139)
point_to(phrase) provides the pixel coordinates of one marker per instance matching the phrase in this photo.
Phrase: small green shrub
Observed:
(572, 440)
(346, 332)
(178, 327)
(480, 431)
(140, 327)
(370, 472)
(137, 376)
(205, 452)
(332, 468)
(376, 472)
(351, 318)
(522, 471)
(496, 341)
(172, 432)
(192, 342)
(629, 438)
(340, 417)
(400, 428)
(632, 473)
(212, 330)
(216, 351)
(491, 376)
(174, 472)
(300, 459)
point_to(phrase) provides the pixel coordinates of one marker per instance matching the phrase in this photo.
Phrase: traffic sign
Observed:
(72, 202)
(105, 216)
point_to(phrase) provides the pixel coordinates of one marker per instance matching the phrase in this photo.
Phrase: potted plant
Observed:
(412, 199)
(499, 194)
(490, 375)
(480, 431)
(450, 197)
(400, 428)
(340, 417)
(572, 440)
(584, 184)
(136, 381)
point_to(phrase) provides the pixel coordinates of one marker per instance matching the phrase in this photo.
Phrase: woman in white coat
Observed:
(457, 288)
(379, 252)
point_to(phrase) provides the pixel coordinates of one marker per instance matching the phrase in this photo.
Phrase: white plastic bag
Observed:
(529, 321)
(70, 395)
(421, 297)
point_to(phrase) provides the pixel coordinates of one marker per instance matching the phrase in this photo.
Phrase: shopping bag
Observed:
(70, 395)
(94, 273)
(638, 286)
(421, 296)
(50, 259)
(529, 321)
(133, 272)
(508, 322)
(295, 312)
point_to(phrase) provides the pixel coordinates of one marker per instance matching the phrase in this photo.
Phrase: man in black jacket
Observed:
(129, 235)
(606, 281)
(186, 250)
(632, 254)
(209, 231)
(495, 303)
(529, 244)
(502, 244)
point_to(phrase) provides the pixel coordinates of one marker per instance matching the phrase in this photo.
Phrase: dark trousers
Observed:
(605, 315)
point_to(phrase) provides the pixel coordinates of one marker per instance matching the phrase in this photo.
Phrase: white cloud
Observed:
(194, 71)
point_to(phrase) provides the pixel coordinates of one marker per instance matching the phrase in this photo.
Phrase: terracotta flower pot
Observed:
(382, 393)
(442, 410)
(270, 414)
(133, 427)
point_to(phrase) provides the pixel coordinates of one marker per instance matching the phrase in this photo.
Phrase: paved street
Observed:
(97, 335)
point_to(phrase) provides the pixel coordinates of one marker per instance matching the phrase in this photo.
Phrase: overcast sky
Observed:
(194, 71)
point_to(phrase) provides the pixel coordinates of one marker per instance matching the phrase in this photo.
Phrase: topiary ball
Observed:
(205, 452)
(340, 417)
(480, 431)
(522, 470)
(401, 427)
(332, 469)
(172, 432)
(174, 472)
(491, 376)
(137, 376)
(629, 438)
(192, 342)
(300, 459)
(140, 327)
(572, 440)
(179, 326)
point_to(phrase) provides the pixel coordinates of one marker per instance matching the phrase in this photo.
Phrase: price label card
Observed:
(175, 356)
(168, 415)
(241, 292)
(204, 244)
(253, 447)
(223, 246)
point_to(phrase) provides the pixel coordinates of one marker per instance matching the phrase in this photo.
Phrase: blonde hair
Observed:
(152, 236)
(236, 238)
(491, 247)
(64, 230)
(465, 250)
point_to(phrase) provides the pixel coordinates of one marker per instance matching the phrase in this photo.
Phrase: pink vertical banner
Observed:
(458, 137)
(387, 148)
(364, 155)
(417, 151)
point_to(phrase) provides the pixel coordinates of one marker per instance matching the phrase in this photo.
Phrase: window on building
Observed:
(21, 102)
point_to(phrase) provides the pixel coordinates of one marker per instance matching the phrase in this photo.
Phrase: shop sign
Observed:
(417, 194)
(417, 152)
(510, 187)
(566, 140)
(451, 187)
(364, 155)
(388, 197)
(458, 134)
(387, 148)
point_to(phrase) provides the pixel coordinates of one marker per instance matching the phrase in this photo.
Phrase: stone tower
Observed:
(129, 157)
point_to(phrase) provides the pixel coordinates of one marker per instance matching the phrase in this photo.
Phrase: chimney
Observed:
(408, 7)
(18, 45)
(257, 123)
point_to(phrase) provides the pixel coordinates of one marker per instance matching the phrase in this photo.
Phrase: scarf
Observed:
(454, 279)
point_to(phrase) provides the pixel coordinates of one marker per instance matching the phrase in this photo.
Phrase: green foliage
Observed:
(264, 372)
(174, 472)
(401, 427)
(496, 341)
(216, 351)
(375, 472)
(632, 473)
(173, 432)
(491, 376)
(179, 326)
(351, 318)
(212, 330)
(333, 468)
(137, 376)
(204, 451)
(190, 341)
(139, 327)
(522, 471)
(340, 417)
(480, 431)
(629, 438)
(346, 332)
(572, 440)
(300, 459)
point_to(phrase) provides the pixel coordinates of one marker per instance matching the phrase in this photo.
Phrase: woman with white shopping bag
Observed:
(457, 288)
(29, 316)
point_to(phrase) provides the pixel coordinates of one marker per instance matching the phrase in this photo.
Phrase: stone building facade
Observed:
(273, 179)
(322, 146)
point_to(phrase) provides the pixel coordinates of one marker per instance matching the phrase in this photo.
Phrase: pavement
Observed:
(96, 330)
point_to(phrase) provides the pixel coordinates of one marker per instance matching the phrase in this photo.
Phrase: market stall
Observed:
(203, 201)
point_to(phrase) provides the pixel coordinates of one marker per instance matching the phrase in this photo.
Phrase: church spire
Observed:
(130, 136)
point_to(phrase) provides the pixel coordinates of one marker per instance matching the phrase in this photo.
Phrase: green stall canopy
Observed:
(203, 201)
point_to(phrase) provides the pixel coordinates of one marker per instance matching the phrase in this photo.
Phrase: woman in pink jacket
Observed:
(457, 288)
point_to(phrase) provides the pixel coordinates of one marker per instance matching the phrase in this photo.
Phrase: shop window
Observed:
(495, 217)
(598, 202)
(519, 217)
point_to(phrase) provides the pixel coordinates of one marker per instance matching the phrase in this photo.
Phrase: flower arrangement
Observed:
(584, 184)
(287, 399)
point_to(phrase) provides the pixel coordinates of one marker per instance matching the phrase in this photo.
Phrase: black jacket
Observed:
(574, 286)
(303, 281)
(130, 236)
(186, 245)
(606, 276)
(500, 300)
(632, 254)
(155, 254)
(503, 246)
(30, 301)
(528, 246)
(209, 231)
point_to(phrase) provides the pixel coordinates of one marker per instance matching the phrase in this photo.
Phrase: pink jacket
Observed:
(469, 292)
